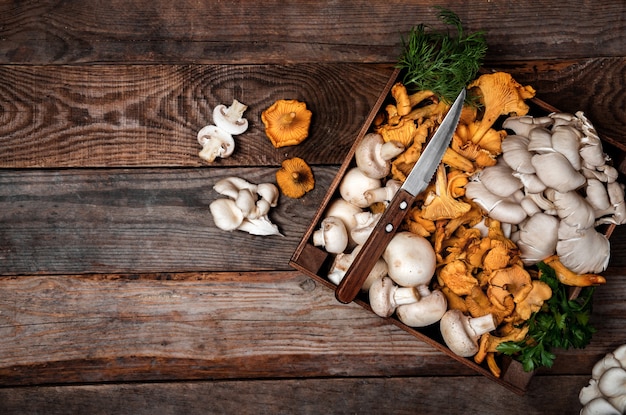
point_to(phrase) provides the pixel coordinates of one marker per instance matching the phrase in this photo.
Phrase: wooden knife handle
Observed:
(373, 248)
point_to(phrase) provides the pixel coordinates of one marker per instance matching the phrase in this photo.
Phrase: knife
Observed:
(415, 183)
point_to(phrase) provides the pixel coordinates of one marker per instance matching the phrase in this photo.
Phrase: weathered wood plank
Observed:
(274, 32)
(132, 116)
(76, 221)
(112, 328)
(103, 328)
(128, 116)
(407, 395)
(148, 220)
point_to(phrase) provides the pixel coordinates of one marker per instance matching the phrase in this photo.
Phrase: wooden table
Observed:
(117, 292)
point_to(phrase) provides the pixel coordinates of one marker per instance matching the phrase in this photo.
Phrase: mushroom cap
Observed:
(428, 310)
(381, 297)
(354, 185)
(295, 178)
(286, 122)
(215, 143)
(332, 235)
(556, 172)
(500, 95)
(452, 327)
(582, 251)
(373, 155)
(230, 118)
(226, 215)
(411, 259)
(537, 237)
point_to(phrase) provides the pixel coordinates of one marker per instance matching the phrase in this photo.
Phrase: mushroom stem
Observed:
(287, 118)
(235, 111)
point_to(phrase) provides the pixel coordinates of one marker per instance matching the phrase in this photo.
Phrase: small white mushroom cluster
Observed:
(246, 207)
(399, 281)
(606, 392)
(217, 140)
(348, 222)
(553, 183)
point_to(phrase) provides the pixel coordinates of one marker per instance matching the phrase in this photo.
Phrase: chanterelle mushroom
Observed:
(286, 122)
(501, 95)
(295, 178)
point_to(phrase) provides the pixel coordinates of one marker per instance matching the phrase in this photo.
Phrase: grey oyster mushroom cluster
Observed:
(605, 393)
(246, 206)
(217, 139)
(554, 185)
(399, 281)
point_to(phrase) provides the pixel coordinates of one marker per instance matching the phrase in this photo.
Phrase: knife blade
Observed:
(415, 183)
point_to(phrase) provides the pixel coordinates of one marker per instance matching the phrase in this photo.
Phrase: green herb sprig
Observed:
(560, 324)
(441, 62)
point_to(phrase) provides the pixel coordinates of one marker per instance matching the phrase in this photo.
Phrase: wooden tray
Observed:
(316, 262)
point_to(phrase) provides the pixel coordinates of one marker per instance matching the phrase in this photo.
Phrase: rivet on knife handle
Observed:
(373, 248)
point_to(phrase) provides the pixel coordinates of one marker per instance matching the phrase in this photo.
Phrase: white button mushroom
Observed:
(461, 333)
(217, 140)
(354, 185)
(365, 223)
(385, 296)
(410, 259)
(373, 155)
(383, 194)
(215, 143)
(428, 310)
(331, 235)
(230, 119)
(343, 261)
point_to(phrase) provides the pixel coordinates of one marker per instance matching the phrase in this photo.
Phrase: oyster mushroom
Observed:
(286, 122)
(548, 156)
(245, 208)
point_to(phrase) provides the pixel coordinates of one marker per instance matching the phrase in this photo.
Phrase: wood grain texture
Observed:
(243, 31)
(115, 328)
(423, 395)
(149, 116)
(132, 115)
(104, 328)
(117, 292)
(67, 221)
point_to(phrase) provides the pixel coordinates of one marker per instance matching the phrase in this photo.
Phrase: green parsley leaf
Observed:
(560, 324)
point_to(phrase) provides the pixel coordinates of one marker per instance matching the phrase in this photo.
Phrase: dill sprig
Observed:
(439, 61)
